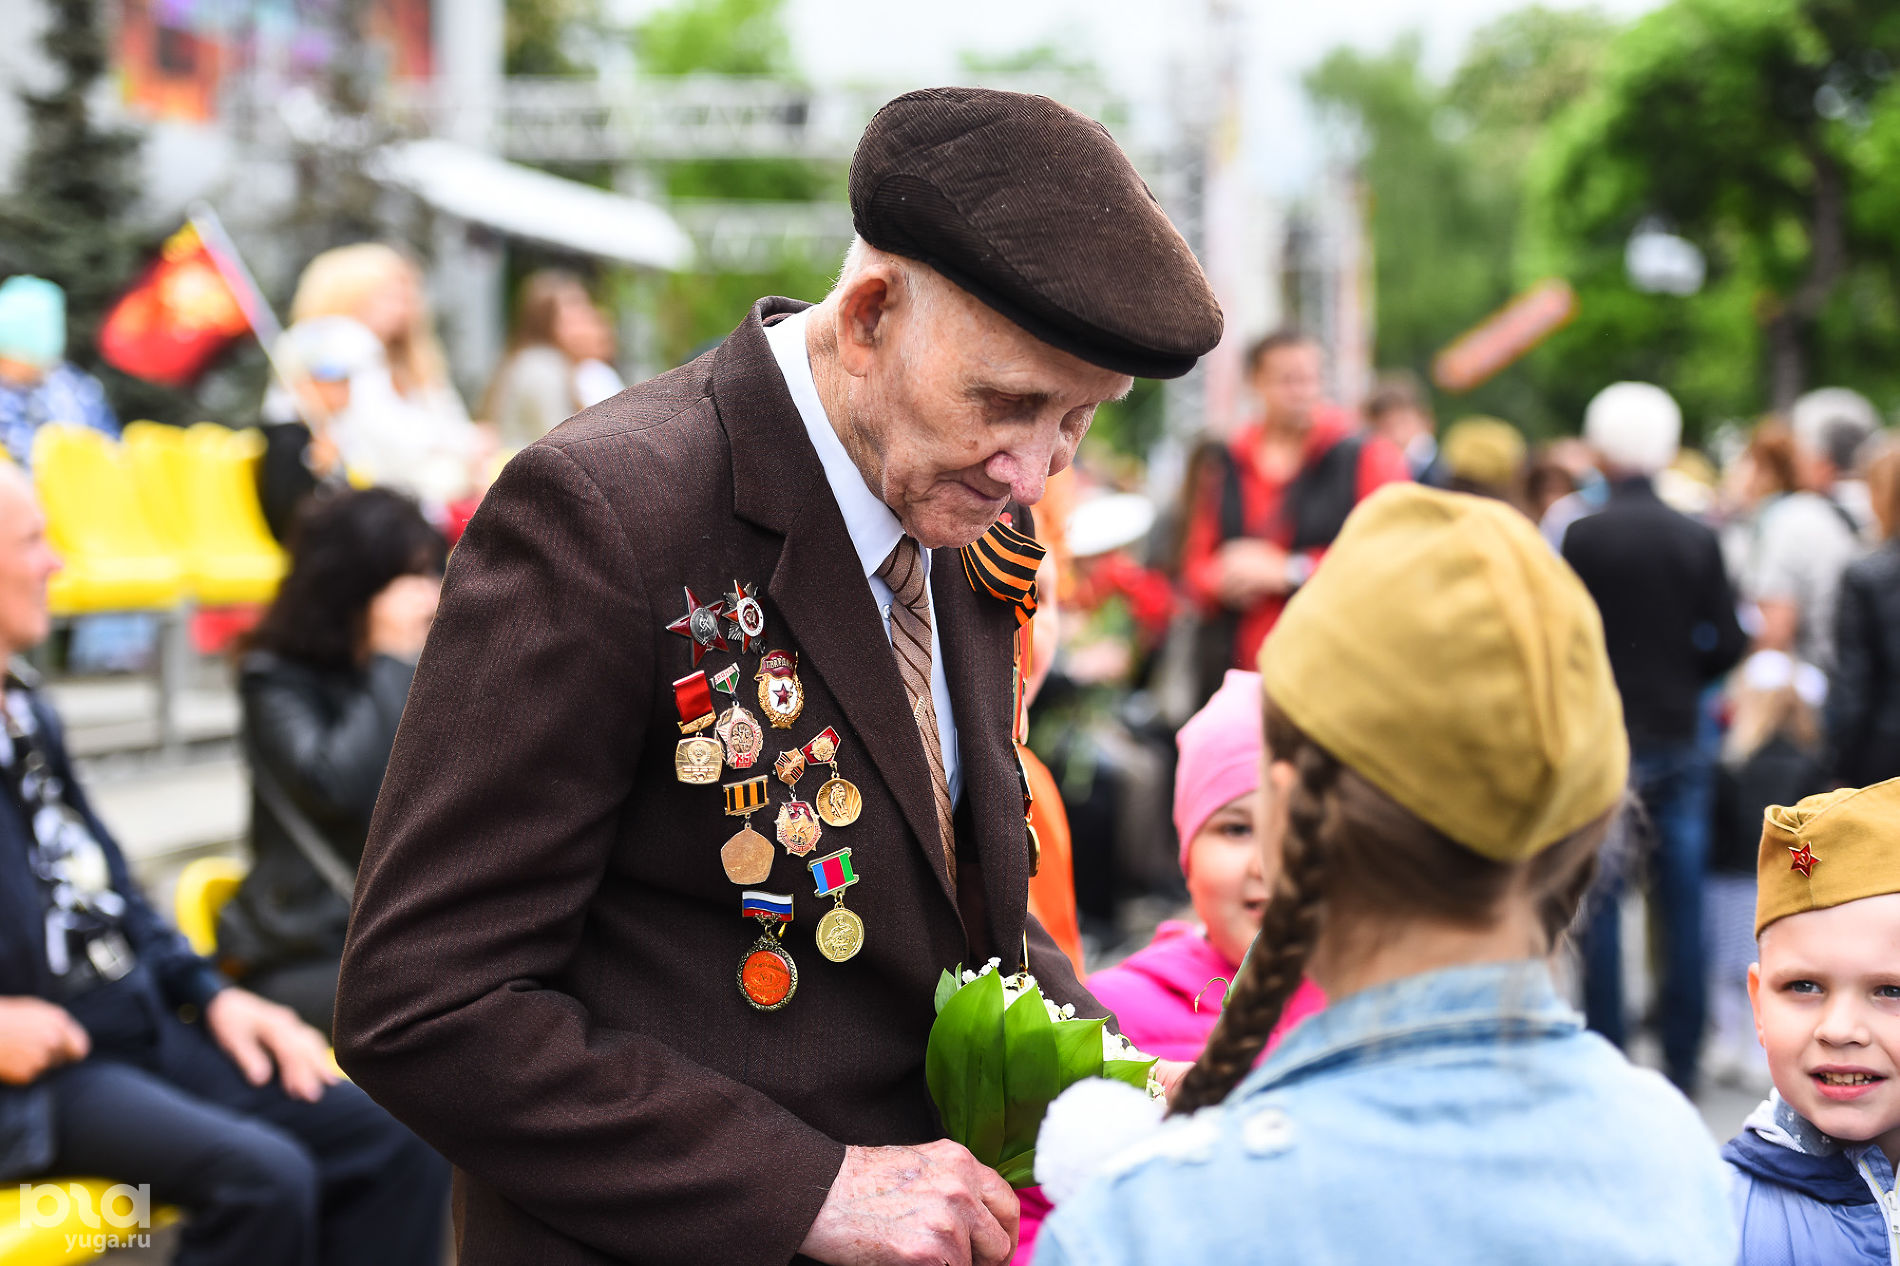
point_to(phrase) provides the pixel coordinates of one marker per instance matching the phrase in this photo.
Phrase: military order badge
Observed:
(696, 760)
(701, 625)
(746, 615)
(798, 828)
(743, 736)
(780, 692)
(767, 975)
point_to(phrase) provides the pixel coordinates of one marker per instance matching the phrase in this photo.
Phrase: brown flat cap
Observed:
(1033, 208)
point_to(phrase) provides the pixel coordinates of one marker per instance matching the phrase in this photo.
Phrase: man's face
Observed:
(1287, 380)
(1826, 995)
(955, 410)
(27, 562)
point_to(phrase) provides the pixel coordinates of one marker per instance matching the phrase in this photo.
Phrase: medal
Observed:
(745, 614)
(743, 736)
(798, 828)
(747, 856)
(790, 767)
(696, 760)
(701, 624)
(767, 975)
(780, 693)
(839, 802)
(840, 933)
(726, 680)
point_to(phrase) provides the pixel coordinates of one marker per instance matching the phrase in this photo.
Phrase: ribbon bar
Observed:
(743, 798)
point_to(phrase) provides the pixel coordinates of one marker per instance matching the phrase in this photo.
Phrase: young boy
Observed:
(1815, 1163)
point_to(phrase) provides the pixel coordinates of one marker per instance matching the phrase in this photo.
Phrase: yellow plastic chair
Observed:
(72, 1238)
(203, 887)
(198, 488)
(114, 559)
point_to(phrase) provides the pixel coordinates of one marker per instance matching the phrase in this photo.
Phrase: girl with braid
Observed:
(1444, 752)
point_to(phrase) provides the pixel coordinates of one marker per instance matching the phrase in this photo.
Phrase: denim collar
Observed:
(1490, 1003)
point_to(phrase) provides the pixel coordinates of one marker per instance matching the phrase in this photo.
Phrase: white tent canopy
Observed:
(523, 202)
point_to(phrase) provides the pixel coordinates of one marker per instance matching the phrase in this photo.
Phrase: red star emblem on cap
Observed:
(700, 625)
(1803, 860)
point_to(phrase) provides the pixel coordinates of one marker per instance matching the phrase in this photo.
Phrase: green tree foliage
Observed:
(540, 35)
(730, 37)
(71, 218)
(1768, 133)
(1444, 164)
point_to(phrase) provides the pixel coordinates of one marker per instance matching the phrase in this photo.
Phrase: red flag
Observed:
(181, 314)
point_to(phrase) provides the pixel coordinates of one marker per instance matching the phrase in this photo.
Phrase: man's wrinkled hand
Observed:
(35, 1037)
(929, 1205)
(258, 1035)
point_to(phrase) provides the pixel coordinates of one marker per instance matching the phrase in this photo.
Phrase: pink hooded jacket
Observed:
(1152, 992)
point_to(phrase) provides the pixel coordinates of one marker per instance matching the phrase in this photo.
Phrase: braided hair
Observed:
(1352, 854)
(1288, 930)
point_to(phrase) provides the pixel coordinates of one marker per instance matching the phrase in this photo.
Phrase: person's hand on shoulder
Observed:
(36, 1036)
(258, 1035)
(929, 1205)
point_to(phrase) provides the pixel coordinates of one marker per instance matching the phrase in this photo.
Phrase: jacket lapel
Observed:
(977, 633)
(818, 586)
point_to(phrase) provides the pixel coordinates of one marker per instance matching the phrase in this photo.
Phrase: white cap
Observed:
(330, 348)
(1635, 426)
(1818, 414)
(1773, 670)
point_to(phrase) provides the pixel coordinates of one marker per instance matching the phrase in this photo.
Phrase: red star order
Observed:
(1803, 860)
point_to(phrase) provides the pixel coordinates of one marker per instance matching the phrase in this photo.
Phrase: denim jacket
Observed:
(1456, 1116)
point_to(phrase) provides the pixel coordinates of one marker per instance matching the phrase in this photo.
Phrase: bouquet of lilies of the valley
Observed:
(999, 1052)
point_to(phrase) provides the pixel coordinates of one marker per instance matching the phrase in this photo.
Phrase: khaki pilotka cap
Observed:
(1446, 654)
(1828, 850)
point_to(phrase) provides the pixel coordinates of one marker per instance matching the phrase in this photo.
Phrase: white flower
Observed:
(1115, 1046)
(1068, 1011)
(1088, 1125)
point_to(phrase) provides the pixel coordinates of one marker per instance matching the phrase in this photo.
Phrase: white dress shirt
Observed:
(874, 530)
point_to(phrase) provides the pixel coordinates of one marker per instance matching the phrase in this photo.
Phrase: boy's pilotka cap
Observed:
(1032, 208)
(1446, 655)
(1828, 850)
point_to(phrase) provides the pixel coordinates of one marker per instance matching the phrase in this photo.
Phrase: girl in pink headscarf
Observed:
(1153, 993)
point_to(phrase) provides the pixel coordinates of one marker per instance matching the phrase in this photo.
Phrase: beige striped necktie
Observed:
(904, 572)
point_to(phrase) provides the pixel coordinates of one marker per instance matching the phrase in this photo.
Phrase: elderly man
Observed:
(710, 598)
(1669, 618)
(125, 1055)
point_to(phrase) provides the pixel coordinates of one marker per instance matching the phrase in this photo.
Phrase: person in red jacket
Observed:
(1269, 503)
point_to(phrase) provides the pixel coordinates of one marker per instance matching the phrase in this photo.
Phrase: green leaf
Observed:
(964, 1067)
(1031, 1072)
(1078, 1050)
(1132, 1071)
(1019, 1170)
(947, 984)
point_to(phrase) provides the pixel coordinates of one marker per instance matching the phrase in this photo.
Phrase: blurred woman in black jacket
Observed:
(1863, 702)
(322, 683)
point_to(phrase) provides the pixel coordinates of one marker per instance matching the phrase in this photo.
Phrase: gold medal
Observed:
(798, 828)
(839, 802)
(697, 760)
(742, 735)
(747, 857)
(840, 933)
(780, 692)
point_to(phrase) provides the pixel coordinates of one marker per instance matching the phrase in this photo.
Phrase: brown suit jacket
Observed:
(541, 970)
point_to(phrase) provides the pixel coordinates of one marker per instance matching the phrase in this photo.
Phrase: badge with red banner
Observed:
(839, 802)
(780, 692)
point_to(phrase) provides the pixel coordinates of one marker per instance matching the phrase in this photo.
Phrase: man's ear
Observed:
(863, 306)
